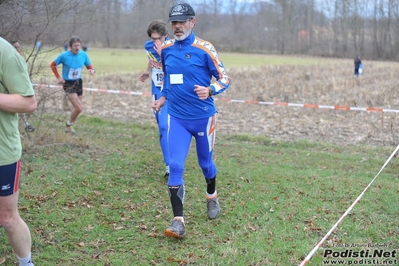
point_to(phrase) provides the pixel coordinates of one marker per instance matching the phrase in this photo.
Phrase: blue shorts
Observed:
(9, 178)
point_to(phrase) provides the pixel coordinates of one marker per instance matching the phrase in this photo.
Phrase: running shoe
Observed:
(69, 129)
(213, 207)
(176, 229)
(29, 128)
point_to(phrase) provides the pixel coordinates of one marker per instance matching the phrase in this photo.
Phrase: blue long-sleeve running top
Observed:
(186, 63)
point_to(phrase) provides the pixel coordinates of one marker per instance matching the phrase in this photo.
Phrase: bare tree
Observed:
(340, 28)
(33, 21)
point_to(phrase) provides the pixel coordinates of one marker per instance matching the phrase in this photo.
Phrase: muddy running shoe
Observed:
(213, 207)
(29, 128)
(69, 129)
(176, 229)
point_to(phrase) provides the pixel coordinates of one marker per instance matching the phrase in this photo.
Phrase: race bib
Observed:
(75, 73)
(176, 78)
(157, 77)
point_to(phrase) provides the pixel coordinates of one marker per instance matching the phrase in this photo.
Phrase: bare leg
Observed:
(17, 231)
(77, 106)
(65, 106)
(24, 118)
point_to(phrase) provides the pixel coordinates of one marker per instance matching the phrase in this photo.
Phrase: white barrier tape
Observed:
(308, 257)
(98, 90)
(282, 104)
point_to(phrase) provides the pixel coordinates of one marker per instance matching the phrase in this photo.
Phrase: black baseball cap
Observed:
(181, 12)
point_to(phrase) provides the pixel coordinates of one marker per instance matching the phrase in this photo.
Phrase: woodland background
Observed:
(333, 28)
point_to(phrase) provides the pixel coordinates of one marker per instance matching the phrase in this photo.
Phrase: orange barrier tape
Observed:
(282, 104)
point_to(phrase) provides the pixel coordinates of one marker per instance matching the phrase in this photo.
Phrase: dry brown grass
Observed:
(330, 84)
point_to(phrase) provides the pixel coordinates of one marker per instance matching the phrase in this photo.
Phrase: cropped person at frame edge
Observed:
(189, 63)
(16, 96)
(158, 33)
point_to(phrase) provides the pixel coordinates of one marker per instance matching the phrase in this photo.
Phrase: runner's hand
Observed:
(158, 104)
(202, 92)
(144, 76)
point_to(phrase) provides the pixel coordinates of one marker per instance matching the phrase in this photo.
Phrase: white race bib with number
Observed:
(75, 73)
(157, 77)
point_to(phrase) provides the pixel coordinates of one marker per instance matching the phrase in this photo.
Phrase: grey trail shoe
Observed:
(213, 207)
(176, 229)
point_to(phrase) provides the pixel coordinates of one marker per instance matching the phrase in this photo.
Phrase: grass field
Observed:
(123, 61)
(100, 198)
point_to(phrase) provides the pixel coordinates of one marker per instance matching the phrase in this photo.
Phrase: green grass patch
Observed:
(120, 61)
(125, 61)
(100, 199)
